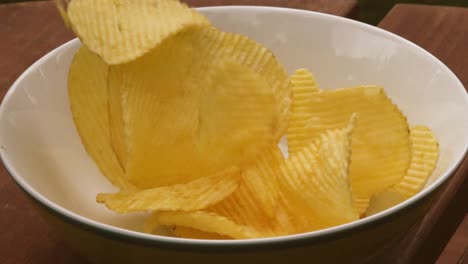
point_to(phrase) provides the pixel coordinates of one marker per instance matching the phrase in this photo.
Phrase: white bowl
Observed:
(43, 153)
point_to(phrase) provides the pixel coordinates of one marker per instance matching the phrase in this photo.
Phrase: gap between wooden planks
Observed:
(443, 32)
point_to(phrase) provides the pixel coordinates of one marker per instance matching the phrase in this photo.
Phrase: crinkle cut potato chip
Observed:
(380, 143)
(87, 93)
(255, 202)
(185, 119)
(261, 179)
(120, 31)
(304, 86)
(323, 188)
(187, 232)
(206, 222)
(316, 180)
(424, 156)
(116, 125)
(207, 119)
(192, 196)
(261, 60)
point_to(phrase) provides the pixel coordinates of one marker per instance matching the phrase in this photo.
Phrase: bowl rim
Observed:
(258, 243)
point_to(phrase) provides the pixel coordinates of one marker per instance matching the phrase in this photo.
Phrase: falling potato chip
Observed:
(189, 110)
(380, 143)
(192, 196)
(316, 182)
(187, 232)
(304, 87)
(206, 222)
(88, 97)
(424, 156)
(122, 30)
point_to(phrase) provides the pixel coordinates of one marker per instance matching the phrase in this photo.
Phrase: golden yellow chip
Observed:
(256, 202)
(87, 92)
(380, 143)
(261, 180)
(117, 126)
(192, 196)
(122, 30)
(288, 220)
(206, 222)
(243, 208)
(188, 232)
(304, 86)
(316, 182)
(261, 60)
(189, 109)
(361, 204)
(383, 201)
(424, 156)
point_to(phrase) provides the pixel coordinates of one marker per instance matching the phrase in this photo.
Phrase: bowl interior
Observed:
(42, 150)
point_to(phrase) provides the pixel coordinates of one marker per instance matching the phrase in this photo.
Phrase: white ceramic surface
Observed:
(41, 148)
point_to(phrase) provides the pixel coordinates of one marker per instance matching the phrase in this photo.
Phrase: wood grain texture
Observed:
(27, 32)
(456, 250)
(443, 32)
(344, 8)
(25, 37)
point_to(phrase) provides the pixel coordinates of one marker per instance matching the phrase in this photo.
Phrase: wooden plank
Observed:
(25, 37)
(457, 248)
(27, 32)
(443, 32)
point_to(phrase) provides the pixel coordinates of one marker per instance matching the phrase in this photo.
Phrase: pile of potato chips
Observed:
(185, 120)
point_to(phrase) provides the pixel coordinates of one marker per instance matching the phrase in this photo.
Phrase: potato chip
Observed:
(87, 92)
(187, 232)
(304, 87)
(316, 181)
(192, 196)
(190, 110)
(261, 60)
(383, 201)
(120, 31)
(424, 156)
(255, 202)
(289, 221)
(361, 204)
(261, 179)
(152, 226)
(380, 143)
(117, 126)
(206, 222)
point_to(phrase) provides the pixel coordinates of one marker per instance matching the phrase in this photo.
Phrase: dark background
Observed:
(371, 11)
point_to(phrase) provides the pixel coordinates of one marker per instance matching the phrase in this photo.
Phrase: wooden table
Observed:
(25, 238)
